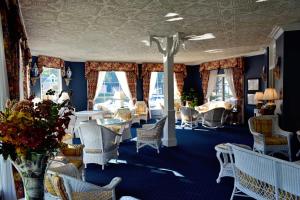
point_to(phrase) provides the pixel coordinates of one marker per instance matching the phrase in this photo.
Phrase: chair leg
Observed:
(137, 147)
(233, 193)
(157, 146)
(103, 167)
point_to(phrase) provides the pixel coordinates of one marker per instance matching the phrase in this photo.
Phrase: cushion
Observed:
(71, 149)
(49, 186)
(93, 195)
(275, 140)
(59, 187)
(263, 126)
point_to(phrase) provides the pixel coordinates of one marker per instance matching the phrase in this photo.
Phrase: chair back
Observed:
(254, 168)
(188, 114)
(159, 126)
(140, 107)
(124, 114)
(274, 118)
(94, 136)
(214, 115)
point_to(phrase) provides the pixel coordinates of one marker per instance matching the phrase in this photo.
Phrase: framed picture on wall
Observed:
(250, 99)
(253, 84)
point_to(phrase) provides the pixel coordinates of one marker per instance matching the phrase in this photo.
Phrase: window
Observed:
(222, 91)
(157, 95)
(51, 79)
(110, 86)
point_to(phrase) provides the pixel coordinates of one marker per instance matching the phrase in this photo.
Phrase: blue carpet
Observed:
(187, 171)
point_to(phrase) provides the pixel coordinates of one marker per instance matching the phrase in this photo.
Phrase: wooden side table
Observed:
(225, 163)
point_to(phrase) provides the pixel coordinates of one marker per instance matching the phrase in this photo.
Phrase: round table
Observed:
(224, 160)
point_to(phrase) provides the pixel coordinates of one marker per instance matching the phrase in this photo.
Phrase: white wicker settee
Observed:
(264, 177)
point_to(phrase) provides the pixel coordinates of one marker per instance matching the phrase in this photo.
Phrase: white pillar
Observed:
(171, 48)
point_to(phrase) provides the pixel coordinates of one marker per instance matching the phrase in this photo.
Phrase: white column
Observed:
(171, 48)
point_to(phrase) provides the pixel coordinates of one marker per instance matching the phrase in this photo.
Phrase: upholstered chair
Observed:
(189, 117)
(141, 110)
(213, 118)
(100, 143)
(124, 129)
(151, 135)
(269, 138)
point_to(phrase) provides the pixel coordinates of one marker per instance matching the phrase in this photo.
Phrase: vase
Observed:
(32, 170)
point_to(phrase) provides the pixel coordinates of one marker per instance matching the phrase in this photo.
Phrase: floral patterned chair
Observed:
(141, 110)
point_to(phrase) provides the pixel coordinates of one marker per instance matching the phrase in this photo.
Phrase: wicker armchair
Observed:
(124, 114)
(151, 135)
(189, 117)
(141, 110)
(66, 184)
(264, 177)
(268, 137)
(213, 118)
(100, 143)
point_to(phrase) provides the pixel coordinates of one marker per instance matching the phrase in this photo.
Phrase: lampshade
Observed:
(119, 95)
(270, 94)
(259, 96)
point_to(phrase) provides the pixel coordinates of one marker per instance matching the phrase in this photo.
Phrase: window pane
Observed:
(110, 86)
(50, 79)
(222, 91)
(157, 97)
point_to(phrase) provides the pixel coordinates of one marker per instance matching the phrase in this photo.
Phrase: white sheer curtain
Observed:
(7, 186)
(101, 76)
(211, 83)
(153, 79)
(176, 92)
(229, 78)
(121, 76)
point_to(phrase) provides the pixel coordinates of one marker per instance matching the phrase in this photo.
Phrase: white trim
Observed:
(277, 31)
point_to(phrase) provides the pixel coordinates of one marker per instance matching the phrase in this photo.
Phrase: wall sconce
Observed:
(34, 74)
(68, 76)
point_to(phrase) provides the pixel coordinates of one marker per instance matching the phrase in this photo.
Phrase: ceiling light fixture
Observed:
(205, 36)
(259, 1)
(174, 19)
(171, 15)
(214, 51)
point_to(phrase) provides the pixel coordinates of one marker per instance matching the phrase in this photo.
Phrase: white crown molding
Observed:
(277, 31)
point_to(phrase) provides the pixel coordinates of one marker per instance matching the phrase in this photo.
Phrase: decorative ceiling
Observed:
(112, 30)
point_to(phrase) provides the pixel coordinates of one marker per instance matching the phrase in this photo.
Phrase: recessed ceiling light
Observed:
(258, 1)
(174, 19)
(146, 42)
(205, 36)
(171, 15)
(214, 51)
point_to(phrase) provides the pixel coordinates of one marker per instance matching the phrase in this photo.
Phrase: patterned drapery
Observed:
(92, 81)
(93, 67)
(13, 34)
(51, 62)
(26, 63)
(237, 65)
(147, 68)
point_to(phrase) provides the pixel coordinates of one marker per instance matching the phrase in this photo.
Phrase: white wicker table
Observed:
(224, 160)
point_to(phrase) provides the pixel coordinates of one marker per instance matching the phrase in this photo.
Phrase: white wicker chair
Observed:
(189, 117)
(264, 177)
(260, 141)
(213, 118)
(151, 135)
(141, 110)
(100, 143)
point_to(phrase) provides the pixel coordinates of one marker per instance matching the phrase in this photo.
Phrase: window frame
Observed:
(223, 96)
(59, 80)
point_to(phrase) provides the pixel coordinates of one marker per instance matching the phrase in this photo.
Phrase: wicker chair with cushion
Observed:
(213, 118)
(264, 177)
(100, 143)
(141, 110)
(189, 117)
(126, 115)
(151, 135)
(64, 183)
(268, 137)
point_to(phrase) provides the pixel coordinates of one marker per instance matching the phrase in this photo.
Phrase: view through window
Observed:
(50, 79)
(157, 96)
(222, 91)
(110, 85)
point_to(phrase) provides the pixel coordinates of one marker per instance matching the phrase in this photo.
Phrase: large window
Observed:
(222, 91)
(157, 95)
(50, 79)
(109, 88)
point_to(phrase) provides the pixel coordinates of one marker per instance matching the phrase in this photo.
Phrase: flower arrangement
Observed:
(26, 128)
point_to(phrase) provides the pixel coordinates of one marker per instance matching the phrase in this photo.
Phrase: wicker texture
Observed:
(260, 140)
(264, 177)
(189, 117)
(150, 135)
(141, 110)
(213, 118)
(103, 142)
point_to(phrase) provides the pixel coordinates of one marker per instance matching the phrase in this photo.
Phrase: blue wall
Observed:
(253, 69)
(193, 81)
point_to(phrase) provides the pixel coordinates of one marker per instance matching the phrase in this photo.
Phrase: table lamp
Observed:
(259, 97)
(120, 96)
(270, 95)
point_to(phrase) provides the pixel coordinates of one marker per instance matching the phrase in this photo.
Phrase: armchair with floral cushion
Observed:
(268, 137)
(64, 183)
(141, 110)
